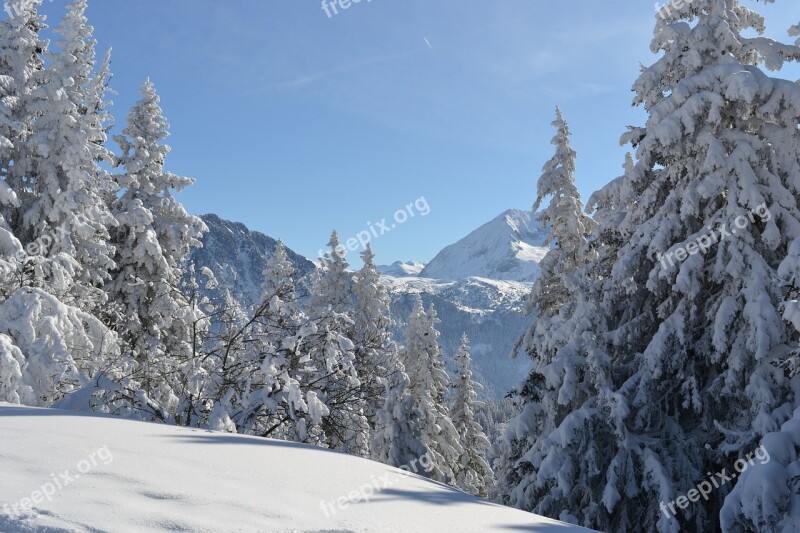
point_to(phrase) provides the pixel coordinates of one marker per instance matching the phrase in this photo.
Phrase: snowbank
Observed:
(93, 473)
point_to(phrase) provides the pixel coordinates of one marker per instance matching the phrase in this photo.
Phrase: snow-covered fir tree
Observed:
(152, 242)
(569, 228)
(399, 424)
(330, 309)
(473, 475)
(422, 358)
(558, 303)
(375, 351)
(54, 228)
(332, 293)
(68, 211)
(569, 233)
(688, 315)
(22, 52)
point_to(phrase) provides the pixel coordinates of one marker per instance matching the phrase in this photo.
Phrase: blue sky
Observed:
(295, 123)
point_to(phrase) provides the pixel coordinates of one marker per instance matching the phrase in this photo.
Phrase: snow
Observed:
(530, 254)
(400, 269)
(148, 477)
(506, 248)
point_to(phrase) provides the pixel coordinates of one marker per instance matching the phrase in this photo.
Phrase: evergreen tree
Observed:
(555, 340)
(473, 475)
(375, 351)
(333, 355)
(569, 232)
(21, 60)
(399, 424)
(67, 208)
(152, 242)
(569, 228)
(54, 221)
(332, 293)
(21, 56)
(687, 316)
(422, 358)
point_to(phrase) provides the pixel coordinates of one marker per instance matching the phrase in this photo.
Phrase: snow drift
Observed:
(120, 475)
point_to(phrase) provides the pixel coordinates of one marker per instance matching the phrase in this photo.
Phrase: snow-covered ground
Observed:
(94, 473)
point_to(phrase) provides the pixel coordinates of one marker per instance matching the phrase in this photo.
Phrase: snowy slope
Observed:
(400, 269)
(125, 476)
(507, 248)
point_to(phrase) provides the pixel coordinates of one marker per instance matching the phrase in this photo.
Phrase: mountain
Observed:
(237, 257)
(116, 474)
(507, 248)
(488, 310)
(400, 269)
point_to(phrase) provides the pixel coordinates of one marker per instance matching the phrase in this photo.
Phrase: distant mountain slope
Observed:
(120, 475)
(237, 257)
(506, 248)
(489, 311)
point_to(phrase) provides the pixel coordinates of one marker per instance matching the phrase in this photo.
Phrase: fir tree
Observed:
(152, 242)
(569, 228)
(333, 354)
(687, 314)
(397, 439)
(21, 60)
(67, 209)
(421, 355)
(473, 475)
(375, 351)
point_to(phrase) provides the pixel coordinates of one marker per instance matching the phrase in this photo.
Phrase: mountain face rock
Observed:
(507, 248)
(488, 310)
(237, 257)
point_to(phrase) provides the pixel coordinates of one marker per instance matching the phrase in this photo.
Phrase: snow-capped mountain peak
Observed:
(401, 269)
(506, 248)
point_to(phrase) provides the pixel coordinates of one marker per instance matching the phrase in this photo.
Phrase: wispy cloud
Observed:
(303, 81)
